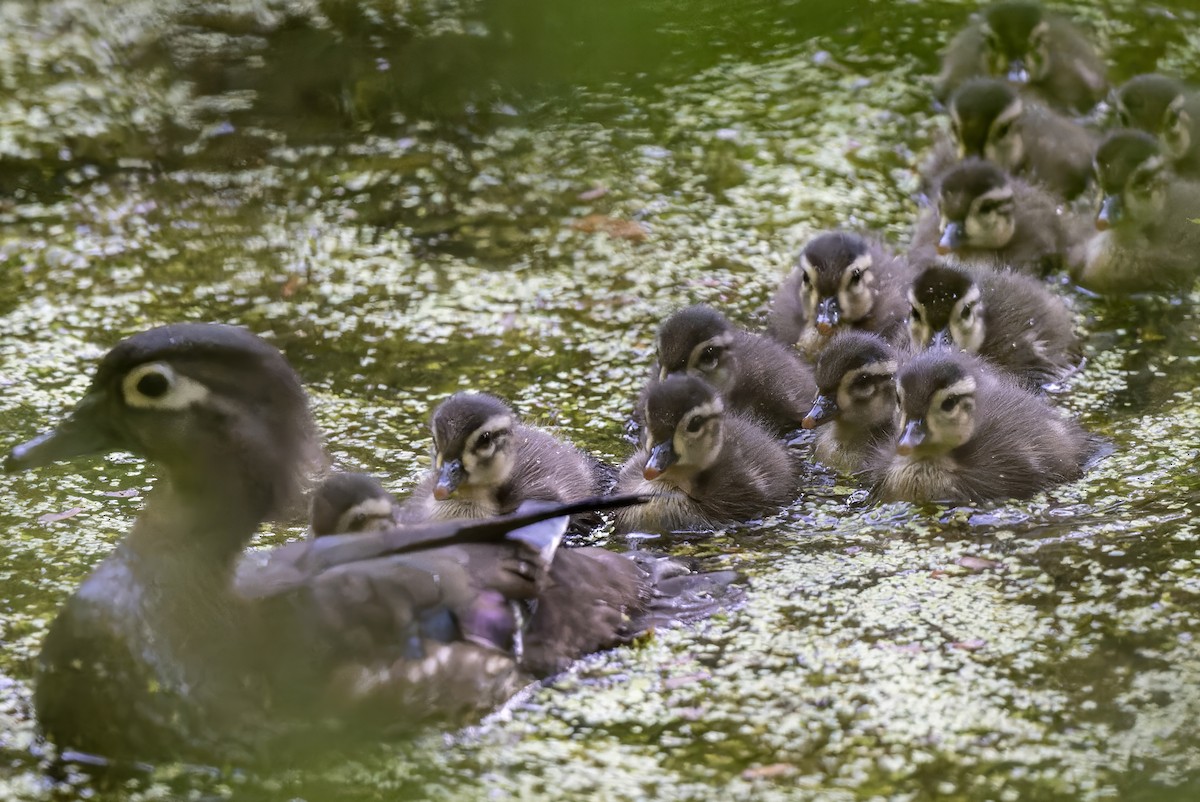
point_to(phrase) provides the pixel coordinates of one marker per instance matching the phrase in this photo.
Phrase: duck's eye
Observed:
(990, 207)
(855, 276)
(950, 403)
(916, 315)
(695, 423)
(154, 385)
(966, 311)
(1004, 130)
(358, 521)
(485, 439)
(805, 280)
(709, 358)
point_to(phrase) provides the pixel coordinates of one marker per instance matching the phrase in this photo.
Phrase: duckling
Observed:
(1043, 53)
(841, 281)
(1167, 109)
(181, 644)
(969, 434)
(701, 468)
(755, 375)
(351, 502)
(1146, 238)
(486, 462)
(986, 218)
(1011, 320)
(990, 120)
(856, 391)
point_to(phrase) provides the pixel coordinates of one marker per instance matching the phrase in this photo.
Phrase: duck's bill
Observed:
(78, 435)
(824, 410)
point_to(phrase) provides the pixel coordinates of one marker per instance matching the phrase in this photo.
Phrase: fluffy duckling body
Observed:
(486, 462)
(1044, 54)
(180, 643)
(969, 434)
(701, 467)
(841, 281)
(755, 375)
(990, 120)
(988, 219)
(1146, 239)
(1012, 321)
(1167, 109)
(856, 397)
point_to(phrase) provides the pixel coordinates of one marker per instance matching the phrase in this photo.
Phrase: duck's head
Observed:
(837, 282)
(983, 119)
(1016, 38)
(937, 403)
(700, 342)
(473, 444)
(976, 206)
(946, 309)
(1158, 105)
(218, 409)
(351, 502)
(684, 416)
(856, 381)
(1133, 178)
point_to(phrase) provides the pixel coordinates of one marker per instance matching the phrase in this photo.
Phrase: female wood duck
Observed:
(986, 218)
(1012, 321)
(178, 644)
(990, 120)
(486, 462)
(1146, 238)
(968, 434)
(754, 374)
(701, 468)
(1043, 53)
(841, 281)
(856, 394)
(1167, 109)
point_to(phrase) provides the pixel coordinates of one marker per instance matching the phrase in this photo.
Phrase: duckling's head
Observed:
(983, 118)
(837, 284)
(1133, 178)
(856, 381)
(350, 502)
(684, 417)
(937, 403)
(946, 309)
(1158, 105)
(976, 207)
(218, 409)
(473, 444)
(1016, 39)
(698, 341)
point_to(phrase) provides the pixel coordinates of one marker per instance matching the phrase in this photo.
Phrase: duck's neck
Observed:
(207, 524)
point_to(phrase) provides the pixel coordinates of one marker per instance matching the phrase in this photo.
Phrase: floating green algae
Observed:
(402, 233)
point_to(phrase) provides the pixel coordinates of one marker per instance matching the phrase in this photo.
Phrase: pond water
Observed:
(413, 198)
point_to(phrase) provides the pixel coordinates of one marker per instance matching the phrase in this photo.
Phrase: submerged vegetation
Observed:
(415, 198)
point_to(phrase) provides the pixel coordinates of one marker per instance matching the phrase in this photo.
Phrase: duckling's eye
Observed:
(154, 385)
(989, 207)
(358, 521)
(855, 276)
(1004, 130)
(805, 280)
(695, 423)
(709, 358)
(966, 311)
(950, 403)
(485, 439)
(916, 315)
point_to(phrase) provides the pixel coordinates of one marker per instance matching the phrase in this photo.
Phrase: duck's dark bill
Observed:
(78, 435)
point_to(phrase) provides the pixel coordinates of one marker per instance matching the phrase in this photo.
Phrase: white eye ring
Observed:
(156, 385)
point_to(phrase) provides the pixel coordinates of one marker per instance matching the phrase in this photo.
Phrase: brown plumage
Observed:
(702, 467)
(1169, 110)
(841, 281)
(856, 397)
(969, 434)
(755, 375)
(486, 462)
(986, 218)
(1043, 53)
(1012, 321)
(1146, 238)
